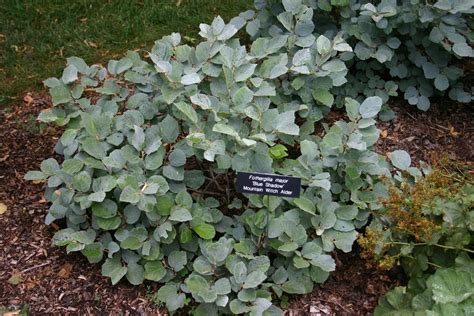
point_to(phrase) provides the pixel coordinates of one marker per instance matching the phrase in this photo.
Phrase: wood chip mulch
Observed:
(447, 128)
(353, 289)
(36, 273)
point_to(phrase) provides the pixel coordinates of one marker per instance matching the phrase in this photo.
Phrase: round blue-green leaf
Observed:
(400, 159)
(35, 175)
(169, 129)
(164, 204)
(177, 158)
(254, 279)
(132, 243)
(114, 269)
(50, 167)
(173, 173)
(130, 195)
(135, 273)
(325, 262)
(94, 148)
(205, 231)
(323, 45)
(168, 294)
(370, 107)
(190, 79)
(175, 302)
(197, 283)
(318, 275)
(131, 213)
(463, 49)
(177, 260)
(82, 181)
(441, 82)
(180, 214)
(188, 111)
(106, 209)
(186, 235)
(108, 223)
(323, 96)
(304, 28)
(238, 307)
(93, 252)
(423, 103)
(154, 271)
(194, 179)
(155, 160)
(305, 204)
(69, 74)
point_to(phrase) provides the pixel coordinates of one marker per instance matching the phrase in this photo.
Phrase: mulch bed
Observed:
(52, 282)
(353, 289)
(446, 129)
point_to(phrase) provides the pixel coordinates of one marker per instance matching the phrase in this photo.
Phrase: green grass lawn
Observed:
(36, 36)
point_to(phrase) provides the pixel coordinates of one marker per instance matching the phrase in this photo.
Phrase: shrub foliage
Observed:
(151, 147)
(408, 48)
(146, 142)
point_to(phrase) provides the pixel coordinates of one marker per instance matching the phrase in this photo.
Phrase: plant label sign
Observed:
(268, 184)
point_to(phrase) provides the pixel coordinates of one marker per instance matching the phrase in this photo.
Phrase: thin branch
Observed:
(426, 244)
(215, 180)
(207, 192)
(36, 267)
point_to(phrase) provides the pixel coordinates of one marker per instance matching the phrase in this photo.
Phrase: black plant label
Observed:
(268, 184)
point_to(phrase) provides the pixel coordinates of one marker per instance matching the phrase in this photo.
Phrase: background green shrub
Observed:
(409, 48)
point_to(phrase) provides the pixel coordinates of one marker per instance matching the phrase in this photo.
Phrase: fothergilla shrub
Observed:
(407, 48)
(151, 148)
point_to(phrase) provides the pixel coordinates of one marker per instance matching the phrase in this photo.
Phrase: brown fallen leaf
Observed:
(55, 226)
(42, 200)
(384, 133)
(30, 285)
(28, 99)
(453, 132)
(65, 271)
(3, 208)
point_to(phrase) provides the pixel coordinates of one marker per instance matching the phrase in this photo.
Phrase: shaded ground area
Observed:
(351, 290)
(35, 273)
(447, 128)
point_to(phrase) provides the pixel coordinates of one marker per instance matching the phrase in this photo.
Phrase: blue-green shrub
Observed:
(407, 48)
(146, 141)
